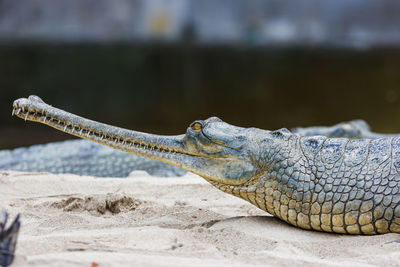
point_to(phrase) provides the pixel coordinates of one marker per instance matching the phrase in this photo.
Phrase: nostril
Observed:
(35, 98)
(214, 119)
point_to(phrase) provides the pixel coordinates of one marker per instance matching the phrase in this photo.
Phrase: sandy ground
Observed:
(70, 220)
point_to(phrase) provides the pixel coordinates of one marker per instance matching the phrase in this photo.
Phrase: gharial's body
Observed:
(333, 185)
(82, 157)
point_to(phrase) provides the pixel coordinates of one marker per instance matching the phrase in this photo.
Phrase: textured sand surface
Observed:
(70, 220)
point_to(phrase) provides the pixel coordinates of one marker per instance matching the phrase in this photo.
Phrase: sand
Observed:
(70, 220)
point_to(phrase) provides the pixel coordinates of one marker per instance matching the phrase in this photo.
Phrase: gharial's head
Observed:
(211, 148)
(218, 151)
(228, 154)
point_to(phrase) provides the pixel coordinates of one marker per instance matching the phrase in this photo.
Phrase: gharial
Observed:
(83, 157)
(313, 182)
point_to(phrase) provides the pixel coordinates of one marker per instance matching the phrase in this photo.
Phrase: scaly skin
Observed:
(82, 157)
(355, 129)
(332, 185)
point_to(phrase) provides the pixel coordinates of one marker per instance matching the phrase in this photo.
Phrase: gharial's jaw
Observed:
(176, 150)
(153, 146)
(169, 149)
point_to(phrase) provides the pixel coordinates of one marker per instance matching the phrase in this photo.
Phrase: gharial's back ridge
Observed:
(327, 184)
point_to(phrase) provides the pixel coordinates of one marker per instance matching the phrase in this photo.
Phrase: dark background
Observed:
(161, 87)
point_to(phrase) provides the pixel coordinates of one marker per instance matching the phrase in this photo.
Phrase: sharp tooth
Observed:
(44, 118)
(65, 128)
(80, 132)
(18, 111)
(13, 112)
(26, 116)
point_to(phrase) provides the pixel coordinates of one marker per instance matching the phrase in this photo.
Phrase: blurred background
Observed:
(156, 66)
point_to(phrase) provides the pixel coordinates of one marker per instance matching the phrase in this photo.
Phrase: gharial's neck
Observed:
(276, 179)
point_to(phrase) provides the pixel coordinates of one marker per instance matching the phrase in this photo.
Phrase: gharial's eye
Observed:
(196, 126)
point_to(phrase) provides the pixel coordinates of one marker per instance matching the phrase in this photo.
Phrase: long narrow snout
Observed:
(169, 149)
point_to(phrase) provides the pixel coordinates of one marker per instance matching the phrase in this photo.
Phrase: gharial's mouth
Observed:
(28, 112)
